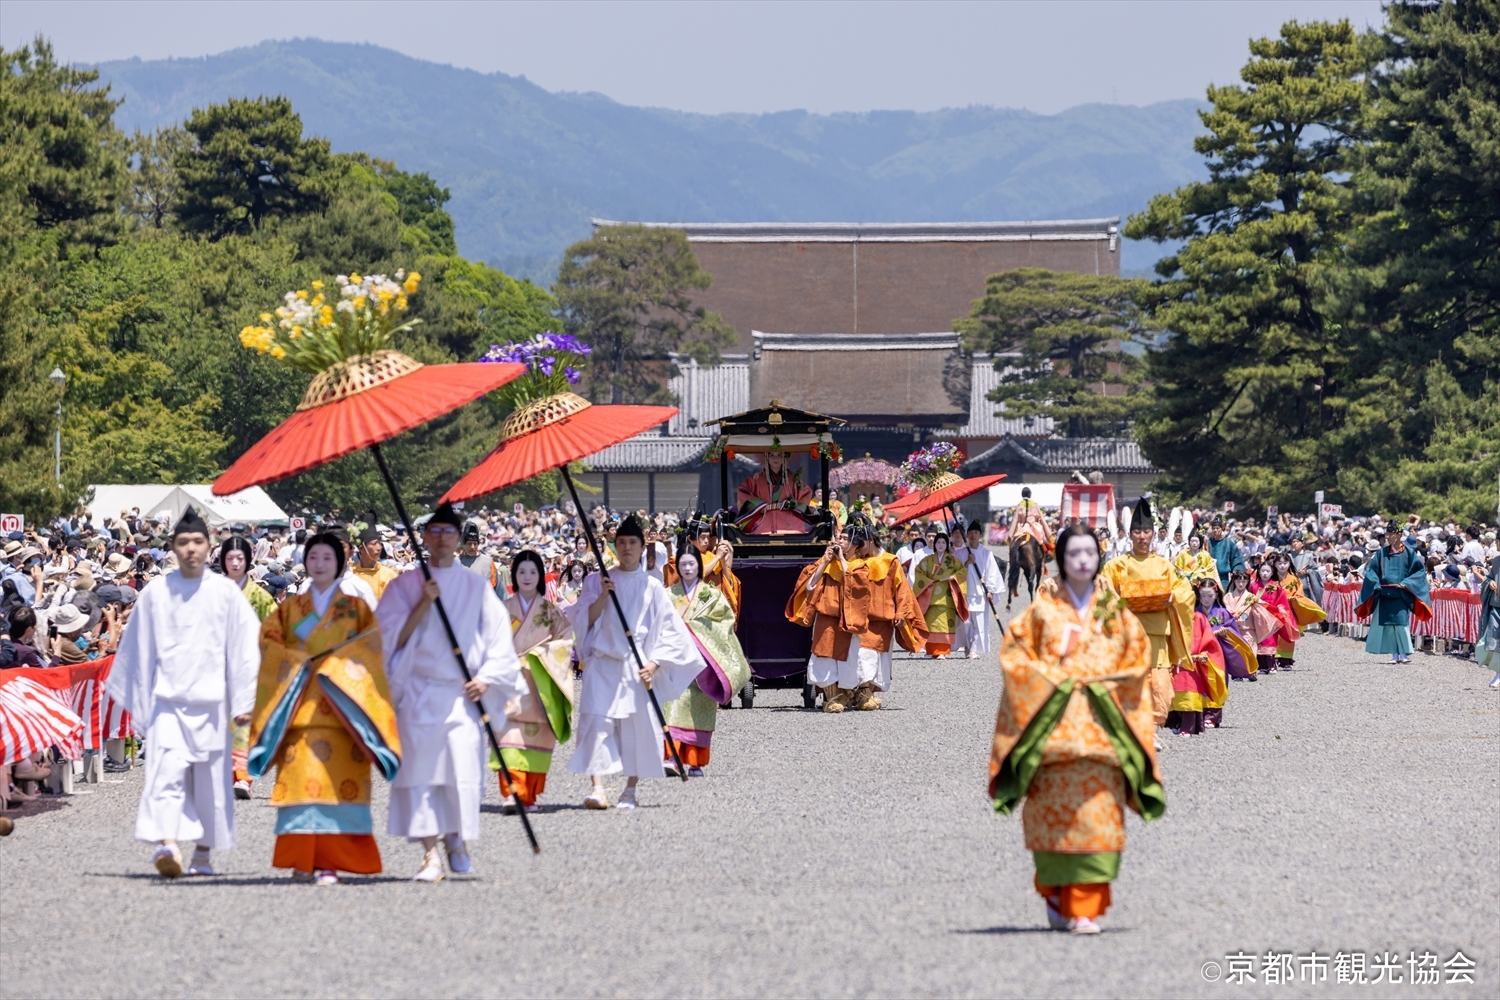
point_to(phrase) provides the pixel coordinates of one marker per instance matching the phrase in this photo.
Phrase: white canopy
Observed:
(251, 506)
(1047, 495)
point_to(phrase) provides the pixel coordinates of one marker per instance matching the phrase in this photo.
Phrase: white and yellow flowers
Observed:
(310, 333)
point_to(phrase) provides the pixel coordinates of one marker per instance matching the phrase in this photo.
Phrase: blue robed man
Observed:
(1225, 550)
(1394, 589)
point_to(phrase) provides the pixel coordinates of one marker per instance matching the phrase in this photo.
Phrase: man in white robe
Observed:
(983, 568)
(186, 667)
(444, 749)
(617, 727)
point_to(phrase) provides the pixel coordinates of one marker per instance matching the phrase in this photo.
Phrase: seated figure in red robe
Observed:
(774, 500)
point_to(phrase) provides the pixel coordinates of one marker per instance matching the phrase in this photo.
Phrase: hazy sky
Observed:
(729, 56)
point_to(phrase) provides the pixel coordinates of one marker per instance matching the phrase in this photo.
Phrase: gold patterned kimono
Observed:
(942, 588)
(1074, 733)
(544, 645)
(1164, 603)
(322, 724)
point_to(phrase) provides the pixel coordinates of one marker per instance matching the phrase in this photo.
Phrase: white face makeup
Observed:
(1206, 596)
(322, 565)
(234, 565)
(527, 579)
(689, 569)
(1081, 561)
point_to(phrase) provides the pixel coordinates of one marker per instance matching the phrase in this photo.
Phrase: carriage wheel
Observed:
(747, 695)
(809, 696)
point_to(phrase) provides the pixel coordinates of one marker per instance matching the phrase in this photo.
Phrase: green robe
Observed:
(709, 617)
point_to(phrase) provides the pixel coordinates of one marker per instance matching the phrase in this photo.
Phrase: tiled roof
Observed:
(654, 452)
(889, 232)
(1062, 455)
(706, 394)
(984, 421)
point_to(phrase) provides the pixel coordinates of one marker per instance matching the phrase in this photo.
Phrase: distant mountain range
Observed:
(528, 168)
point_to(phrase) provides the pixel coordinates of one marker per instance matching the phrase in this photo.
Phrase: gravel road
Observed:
(1349, 806)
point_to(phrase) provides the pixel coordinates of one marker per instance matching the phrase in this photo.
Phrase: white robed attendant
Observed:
(983, 568)
(617, 729)
(441, 782)
(185, 668)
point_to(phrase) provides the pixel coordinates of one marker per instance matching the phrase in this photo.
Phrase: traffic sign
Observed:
(1318, 497)
(298, 523)
(1272, 510)
(12, 522)
(1229, 506)
(520, 508)
(1330, 510)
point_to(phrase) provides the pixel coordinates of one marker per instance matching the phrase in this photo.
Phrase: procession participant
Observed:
(1255, 621)
(438, 790)
(1394, 589)
(941, 587)
(878, 594)
(1195, 561)
(349, 582)
(1487, 645)
(479, 562)
(1029, 518)
(774, 500)
(617, 729)
(710, 620)
(1225, 551)
(1199, 686)
(1161, 599)
(1284, 634)
(184, 670)
(819, 600)
(1074, 733)
(1239, 654)
(322, 723)
(544, 643)
(910, 550)
(368, 567)
(234, 560)
(718, 561)
(984, 579)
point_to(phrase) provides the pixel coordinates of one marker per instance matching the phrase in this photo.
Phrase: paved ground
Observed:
(1349, 806)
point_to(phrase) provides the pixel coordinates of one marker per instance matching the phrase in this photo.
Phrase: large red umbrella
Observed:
(933, 500)
(358, 405)
(547, 434)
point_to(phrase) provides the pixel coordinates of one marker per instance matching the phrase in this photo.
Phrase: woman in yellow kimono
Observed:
(1195, 561)
(544, 644)
(322, 720)
(1074, 733)
(942, 584)
(710, 620)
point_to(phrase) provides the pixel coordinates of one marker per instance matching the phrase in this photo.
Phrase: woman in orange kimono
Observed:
(1274, 651)
(544, 644)
(322, 720)
(1074, 734)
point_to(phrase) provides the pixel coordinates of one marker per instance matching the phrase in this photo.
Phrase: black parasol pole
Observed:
(985, 590)
(458, 653)
(588, 533)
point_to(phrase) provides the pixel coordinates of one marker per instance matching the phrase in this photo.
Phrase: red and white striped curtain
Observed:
(1088, 502)
(80, 691)
(33, 718)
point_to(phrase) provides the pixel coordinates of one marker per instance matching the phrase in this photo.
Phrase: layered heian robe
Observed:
(440, 785)
(1285, 633)
(617, 728)
(691, 718)
(765, 509)
(1164, 602)
(322, 724)
(262, 603)
(1394, 590)
(1074, 738)
(1239, 654)
(543, 717)
(983, 568)
(185, 668)
(941, 586)
(714, 572)
(1200, 683)
(1029, 519)
(818, 601)
(1199, 566)
(1487, 648)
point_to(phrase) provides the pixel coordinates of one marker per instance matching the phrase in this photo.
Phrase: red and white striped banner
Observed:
(1090, 503)
(1340, 600)
(1455, 613)
(81, 688)
(33, 718)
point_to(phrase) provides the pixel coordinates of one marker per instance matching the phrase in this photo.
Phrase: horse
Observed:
(1029, 558)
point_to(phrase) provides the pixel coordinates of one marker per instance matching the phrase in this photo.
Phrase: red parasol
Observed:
(931, 502)
(359, 404)
(550, 433)
(547, 434)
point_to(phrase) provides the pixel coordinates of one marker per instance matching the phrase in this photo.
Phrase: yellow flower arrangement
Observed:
(311, 333)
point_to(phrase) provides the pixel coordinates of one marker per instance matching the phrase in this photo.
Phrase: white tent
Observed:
(251, 506)
(1047, 495)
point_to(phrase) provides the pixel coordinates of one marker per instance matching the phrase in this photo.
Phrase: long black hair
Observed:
(333, 542)
(1072, 531)
(689, 552)
(235, 543)
(528, 556)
